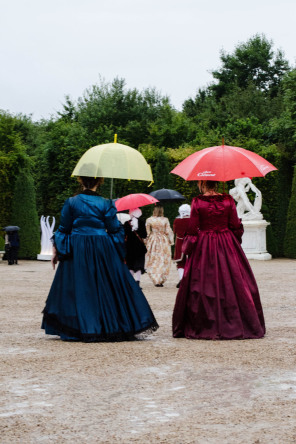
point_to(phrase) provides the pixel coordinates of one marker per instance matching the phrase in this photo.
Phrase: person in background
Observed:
(93, 296)
(160, 237)
(179, 228)
(135, 232)
(218, 296)
(12, 245)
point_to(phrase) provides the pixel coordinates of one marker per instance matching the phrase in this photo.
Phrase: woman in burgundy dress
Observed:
(218, 296)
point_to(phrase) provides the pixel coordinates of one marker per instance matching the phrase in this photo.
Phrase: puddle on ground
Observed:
(283, 383)
(17, 351)
(33, 403)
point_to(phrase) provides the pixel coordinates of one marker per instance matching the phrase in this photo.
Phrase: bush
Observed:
(2, 242)
(290, 238)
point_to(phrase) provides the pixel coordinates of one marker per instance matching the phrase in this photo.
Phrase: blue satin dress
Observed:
(93, 296)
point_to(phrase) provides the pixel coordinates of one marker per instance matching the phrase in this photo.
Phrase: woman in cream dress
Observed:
(160, 237)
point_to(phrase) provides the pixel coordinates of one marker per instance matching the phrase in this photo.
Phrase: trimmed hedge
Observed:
(290, 238)
(24, 214)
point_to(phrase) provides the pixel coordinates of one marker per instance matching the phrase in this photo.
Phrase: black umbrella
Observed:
(166, 195)
(11, 228)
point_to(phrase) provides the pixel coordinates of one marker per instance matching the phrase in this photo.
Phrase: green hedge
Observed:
(290, 238)
(24, 214)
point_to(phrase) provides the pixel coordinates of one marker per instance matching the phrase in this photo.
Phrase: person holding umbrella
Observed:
(12, 244)
(93, 297)
(218, 296)
(135, 232)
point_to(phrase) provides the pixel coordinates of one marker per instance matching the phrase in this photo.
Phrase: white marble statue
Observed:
(46, 234)
(245, 209)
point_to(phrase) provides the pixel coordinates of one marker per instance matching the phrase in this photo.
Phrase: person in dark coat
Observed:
(12, 245)
(93, 297)
(135, 232)
(179, 228)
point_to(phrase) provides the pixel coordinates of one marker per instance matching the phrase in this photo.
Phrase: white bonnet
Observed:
(184, 210)
(135, 212)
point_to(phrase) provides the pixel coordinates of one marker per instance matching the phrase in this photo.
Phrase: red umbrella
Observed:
(222, 163)
(134, 201)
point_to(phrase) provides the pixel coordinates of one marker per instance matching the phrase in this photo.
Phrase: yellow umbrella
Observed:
(113, 160)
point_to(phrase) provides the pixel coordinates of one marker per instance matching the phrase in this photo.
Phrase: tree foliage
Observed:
(251, 102)
(253, 62)
(13, 158)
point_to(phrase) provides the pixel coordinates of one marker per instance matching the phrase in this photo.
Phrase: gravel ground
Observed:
(159, 390)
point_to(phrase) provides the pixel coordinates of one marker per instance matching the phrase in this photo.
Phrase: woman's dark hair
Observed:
(90, 182)
(209, 185)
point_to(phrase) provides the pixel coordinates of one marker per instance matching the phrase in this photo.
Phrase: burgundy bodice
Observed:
(214, 213)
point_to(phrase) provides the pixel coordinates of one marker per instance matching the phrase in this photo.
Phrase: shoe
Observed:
(178, 284)
(159, 285)
(138, 282)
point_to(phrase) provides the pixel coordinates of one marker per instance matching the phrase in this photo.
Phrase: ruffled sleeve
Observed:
(115, 229)
(193, 223)
(235, 223)
(62, 237)
(169, 232)
(148, 227)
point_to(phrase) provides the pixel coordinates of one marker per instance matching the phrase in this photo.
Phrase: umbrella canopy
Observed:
(223, 163)
(11, 228)
(134, 201)
(113, 160)
(166, 195)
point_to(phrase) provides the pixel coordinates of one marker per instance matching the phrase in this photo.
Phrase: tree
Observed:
(251, 62)
(24, 214)
(107, 108)
(290, 238)
(283, 127)
(63, 145)
(162, 178)
(171, 129)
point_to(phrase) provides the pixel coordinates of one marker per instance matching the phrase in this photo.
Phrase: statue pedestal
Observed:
(44, 257)
(254, 240)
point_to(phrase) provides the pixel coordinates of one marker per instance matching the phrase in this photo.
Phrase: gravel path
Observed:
(160, 390)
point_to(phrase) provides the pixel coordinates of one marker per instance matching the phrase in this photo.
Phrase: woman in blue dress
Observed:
(93, 296)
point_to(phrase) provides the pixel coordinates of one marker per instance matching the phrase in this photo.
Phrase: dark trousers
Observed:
(12, 255)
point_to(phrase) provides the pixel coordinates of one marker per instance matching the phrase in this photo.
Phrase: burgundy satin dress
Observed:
(179, 229)
(218, 296)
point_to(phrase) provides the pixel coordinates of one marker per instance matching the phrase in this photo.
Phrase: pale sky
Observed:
(53, 48)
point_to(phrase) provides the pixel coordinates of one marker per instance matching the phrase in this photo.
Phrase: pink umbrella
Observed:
(223, 163)
(134, 201)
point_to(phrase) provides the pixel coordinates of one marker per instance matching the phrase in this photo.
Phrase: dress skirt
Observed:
(218, 297)
(94, 297)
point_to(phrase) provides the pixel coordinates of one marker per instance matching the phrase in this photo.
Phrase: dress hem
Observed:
(52, 321)
(218, 337)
